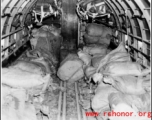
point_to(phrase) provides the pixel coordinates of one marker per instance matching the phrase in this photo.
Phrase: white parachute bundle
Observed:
(95, 49)
(18, 78)
(85, 57)
(129, 84)
(123, 68)
(14, 105)
(118, 54)
(71, 68)
(100, 101)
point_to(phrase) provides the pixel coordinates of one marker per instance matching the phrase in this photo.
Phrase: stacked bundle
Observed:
(72, 68)
(122, 82)
(97, 38)
(47, 38)
(46, 47)
(26, 83)
(43, 57)
(97, 34)
(19, 85)
(29, 92)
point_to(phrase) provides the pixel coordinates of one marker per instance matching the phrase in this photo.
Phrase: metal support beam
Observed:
(11, 33)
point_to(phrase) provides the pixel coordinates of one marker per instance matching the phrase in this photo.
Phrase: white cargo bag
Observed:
(127, 109)
(95, 49)
(129, 84)
(141, 102)
(69, 66)
(44, 62)
(77, 76)
(94, 29)
(100, 101)
(97, 39)
(14, 105)
(96, 60)
(11, 113)
(123, 68)
(89, 71)
(18, 78)
(118, 54)
(30, 67)
(85, 57)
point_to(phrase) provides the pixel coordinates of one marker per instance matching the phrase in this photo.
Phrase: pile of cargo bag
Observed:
(97, 34)
(121, 83)
(28, 83)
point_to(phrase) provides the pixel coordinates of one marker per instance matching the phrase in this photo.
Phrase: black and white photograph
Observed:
(76, 60)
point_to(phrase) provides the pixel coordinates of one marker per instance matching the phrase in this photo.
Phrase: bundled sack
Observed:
(95, 49)
(47, 37)
(40, 33)
(127, 112)
(42, 59)
(18, 78)
(19, 93)
(96, 60)
(47, 55)
(9, 112)
(56, 31)
(97, 39)
(85, 57)
(56, 39)
(69, 67)
(77, 76)
(44, 62)
(140, 102)
(14, 105)
(46, 31)
(118, 54)
(36, 53)
(129, 84)
(30, 67)
(123, 68)
(41, 43)
(100, 101)
(42, 40)
(89, 71)
(44, 43)
(94, 29)
(52, 46)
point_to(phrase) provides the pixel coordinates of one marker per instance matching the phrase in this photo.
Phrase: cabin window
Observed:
(137, 28)
(146, 29)
(15, 36)
(5, 26)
